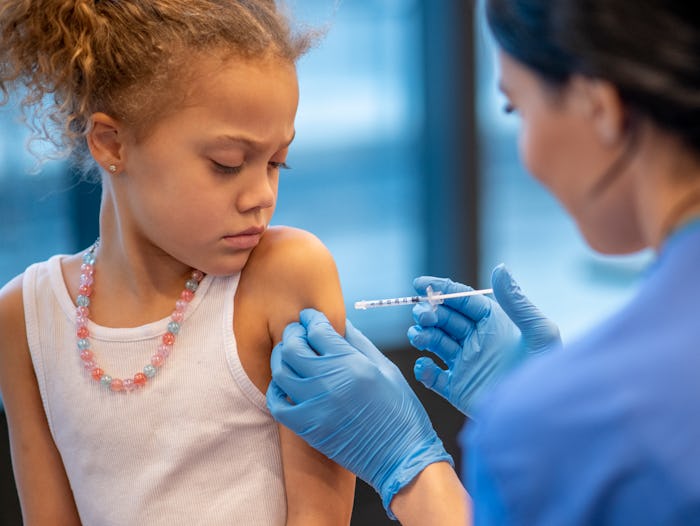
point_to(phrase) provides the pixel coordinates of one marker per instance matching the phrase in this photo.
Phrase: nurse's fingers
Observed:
(363, 344)
(452, 322)
(293, 356)
(285, 410)
(431, 376)
(320, 333)
(301, 378)
(435, 341)
(473, 307)
(276, 398)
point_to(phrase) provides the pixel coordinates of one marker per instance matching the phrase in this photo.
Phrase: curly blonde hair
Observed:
(73, 58)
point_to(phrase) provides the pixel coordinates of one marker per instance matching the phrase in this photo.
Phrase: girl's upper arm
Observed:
(43, 487)
(318, 490)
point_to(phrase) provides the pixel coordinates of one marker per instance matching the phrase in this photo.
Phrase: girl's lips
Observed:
(246, 239)
(243, 241)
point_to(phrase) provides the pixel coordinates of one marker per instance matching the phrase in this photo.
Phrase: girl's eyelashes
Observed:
(279, 165)
(508, 108)
(225, 169)
(233, 170)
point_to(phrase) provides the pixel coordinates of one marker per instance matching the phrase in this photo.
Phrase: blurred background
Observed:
(404, 164)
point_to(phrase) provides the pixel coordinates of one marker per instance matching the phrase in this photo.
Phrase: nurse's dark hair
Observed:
(648, 49)
(126, 58)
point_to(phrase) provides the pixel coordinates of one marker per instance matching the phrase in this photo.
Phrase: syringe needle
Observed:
(410, 300)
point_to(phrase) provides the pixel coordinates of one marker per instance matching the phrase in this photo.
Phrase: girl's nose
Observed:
(259, 191)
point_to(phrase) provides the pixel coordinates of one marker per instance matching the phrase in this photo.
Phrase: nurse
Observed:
(605, 431)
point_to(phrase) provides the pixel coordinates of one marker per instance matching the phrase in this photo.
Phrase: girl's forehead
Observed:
(257, 98)
(211, 72)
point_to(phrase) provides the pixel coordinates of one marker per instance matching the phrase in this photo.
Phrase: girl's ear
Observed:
(602, 104)
(106, 142)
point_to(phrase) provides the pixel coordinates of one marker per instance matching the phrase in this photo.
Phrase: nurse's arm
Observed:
(435, 496)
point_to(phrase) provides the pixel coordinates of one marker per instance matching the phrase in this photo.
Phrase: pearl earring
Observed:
(112, 168)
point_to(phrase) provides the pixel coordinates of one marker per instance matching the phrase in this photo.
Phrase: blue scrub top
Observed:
(607, 431)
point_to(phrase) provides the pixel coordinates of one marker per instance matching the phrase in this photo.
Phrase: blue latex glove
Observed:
(350, 402)
(480, 340)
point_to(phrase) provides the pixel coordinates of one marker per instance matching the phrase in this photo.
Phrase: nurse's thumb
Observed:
(539, 332)
(431, 376)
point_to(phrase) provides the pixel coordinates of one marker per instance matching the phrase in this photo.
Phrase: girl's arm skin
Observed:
(289, 271)
(434, 497)
(44, 492)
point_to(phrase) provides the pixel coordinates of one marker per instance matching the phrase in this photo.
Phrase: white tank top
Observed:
(195, 446)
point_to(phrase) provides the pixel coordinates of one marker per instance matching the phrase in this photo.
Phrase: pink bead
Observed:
(83, 332)
(87, 268)
(180, 305)
(86, 355)
(82, 312)
(187, 295)
(81, 321)
(140, 379)
(168, 338)
(89, 365)
(86, 279)
(178, 316)
(85, 290)
(96, 374)
(129, 385)
(117, 385)
(157, 360)
(198, 275)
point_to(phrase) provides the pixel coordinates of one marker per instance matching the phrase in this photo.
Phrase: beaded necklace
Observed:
(117, 385)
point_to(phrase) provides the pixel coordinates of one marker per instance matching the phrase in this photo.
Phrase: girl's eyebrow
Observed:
(232, 140)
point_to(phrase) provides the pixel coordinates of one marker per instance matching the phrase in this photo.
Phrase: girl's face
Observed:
(201, 186)
(561, 145)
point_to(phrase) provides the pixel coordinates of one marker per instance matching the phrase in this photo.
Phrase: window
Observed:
(37, 209)
(356, 177)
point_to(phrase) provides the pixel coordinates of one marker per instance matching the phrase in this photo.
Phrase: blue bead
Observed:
(174, 327)
(191, 284)
(149, 371)
(83, 343)
(106, 380)
(89, 258)
(83, 301)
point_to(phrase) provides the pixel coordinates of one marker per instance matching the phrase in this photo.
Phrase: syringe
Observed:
(432, 298)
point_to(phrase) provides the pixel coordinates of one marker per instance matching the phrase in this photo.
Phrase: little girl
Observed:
(133, 372)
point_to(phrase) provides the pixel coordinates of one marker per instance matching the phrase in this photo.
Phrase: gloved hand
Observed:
(350, 402)
(480, 340)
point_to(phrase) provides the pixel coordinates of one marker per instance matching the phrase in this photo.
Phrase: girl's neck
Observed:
(136, 281)
(134, 291)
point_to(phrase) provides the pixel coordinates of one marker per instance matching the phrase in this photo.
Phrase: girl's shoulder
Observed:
(285, 251)
(11, 306)
(15, 350)
(289, 260)
(289, 270)
(67, 267)
(12, 303)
